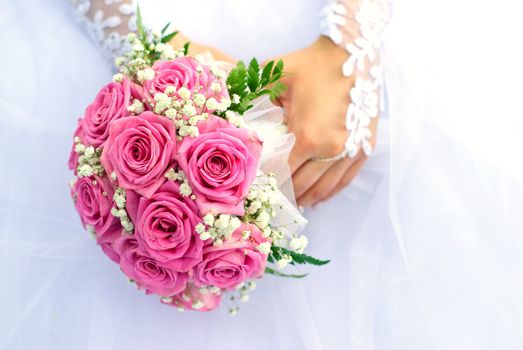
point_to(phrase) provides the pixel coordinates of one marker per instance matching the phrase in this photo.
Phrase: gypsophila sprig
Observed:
(119, 210)
(88, 160)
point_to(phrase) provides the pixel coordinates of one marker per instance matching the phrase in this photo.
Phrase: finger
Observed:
(326, 183)
(307, 175)
(299, 156)
(347, 177)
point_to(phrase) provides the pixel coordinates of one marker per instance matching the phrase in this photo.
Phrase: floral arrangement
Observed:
(168, 178)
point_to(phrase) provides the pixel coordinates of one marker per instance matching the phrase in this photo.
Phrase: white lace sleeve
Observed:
(357, 26)
(108, 22)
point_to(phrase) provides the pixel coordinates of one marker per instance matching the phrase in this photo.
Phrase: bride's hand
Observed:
(196, 48)
(316, 104)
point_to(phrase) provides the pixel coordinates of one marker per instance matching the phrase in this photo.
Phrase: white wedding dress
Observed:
(426, 243)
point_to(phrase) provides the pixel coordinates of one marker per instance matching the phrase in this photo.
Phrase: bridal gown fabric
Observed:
(426, 243)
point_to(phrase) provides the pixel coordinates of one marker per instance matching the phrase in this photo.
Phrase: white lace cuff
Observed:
(357, 26)
(108, 22)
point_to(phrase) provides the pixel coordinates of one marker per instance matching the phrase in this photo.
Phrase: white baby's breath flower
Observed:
(79, 148)
(140, 75)
(298, 244)
(170, 113)
(212, 104)
(198, 304)
(205, 236)
(185, 189)
(273, 182)
(167, 53)
(224, 104)
(131, 37)
(193, 131)
(284, 261)
(264, 248)
(136, 107)
(266, 232)
(160, 96)
(138, 47)
(85, 170)
(223, 221)
(263, 196)
(170, 90)
(234, 119)
(199, 228)
(120, 201)
(189, 110)
(166, 300)
(199, 100)
(148, 73)
(254, 206)
(235, 99)
(251, 285)
(244, 298)
(184, 130)
(234, 223)
(246, 234)
(160, 47)
(184, 93)
(89, 152)
(214, 290)
(217, 72)
(253, 194)
(171, 175)
(91, 231)
(262, 220)
(216, 87)
(119, 61)
(118, 77)
(209, 219)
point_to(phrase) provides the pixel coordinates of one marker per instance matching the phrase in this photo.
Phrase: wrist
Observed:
(331, 51)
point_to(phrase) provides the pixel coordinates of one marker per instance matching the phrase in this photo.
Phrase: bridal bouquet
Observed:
(180, 173)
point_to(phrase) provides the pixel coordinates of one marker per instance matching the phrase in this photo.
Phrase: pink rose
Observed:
(147, 272)
(221, 163)
(182, 71)
(236, 260)
(192, 294)
(93, 198)
(73, 156)
(178, 72)
(165, 227)
(140, 150)
(108, 250)
(110, 104)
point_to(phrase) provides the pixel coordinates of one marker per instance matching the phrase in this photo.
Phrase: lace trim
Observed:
(108, 22)
(360, 35)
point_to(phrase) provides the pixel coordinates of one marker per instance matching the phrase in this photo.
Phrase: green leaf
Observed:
(164, 29)
(299, 258)
(168, 37)
(186, 48)
(277, 89)
(266, 74)
(277, 71)
(139, 25)
(253, 75)
(237, 80)
(280, 274)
